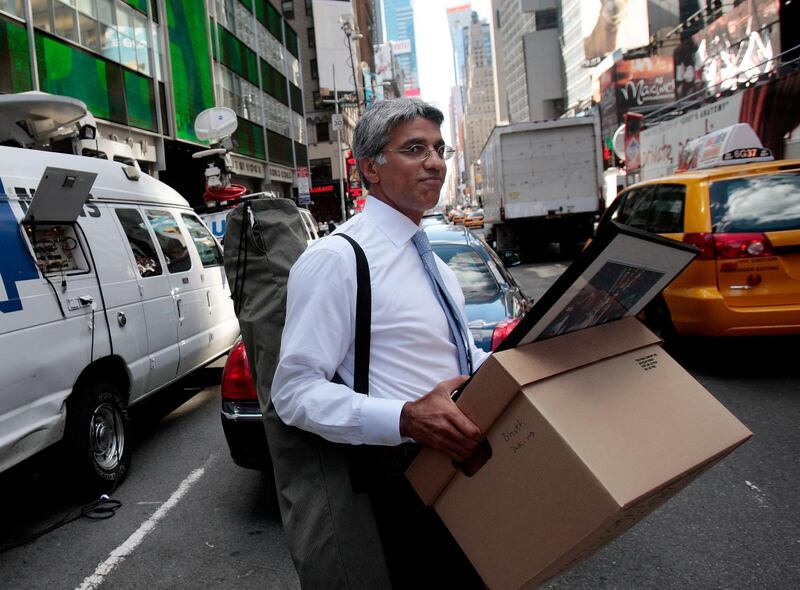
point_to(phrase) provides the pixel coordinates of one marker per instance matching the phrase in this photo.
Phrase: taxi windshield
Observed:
(756, 204)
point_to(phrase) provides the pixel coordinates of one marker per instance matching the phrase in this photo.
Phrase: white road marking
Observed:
(119, 554)
(760, 496)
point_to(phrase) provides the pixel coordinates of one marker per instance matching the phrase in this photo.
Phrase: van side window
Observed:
(171, 241)
(205, 242)
(141, 244)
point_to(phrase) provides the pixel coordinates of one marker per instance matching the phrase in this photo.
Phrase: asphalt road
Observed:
(191, 519)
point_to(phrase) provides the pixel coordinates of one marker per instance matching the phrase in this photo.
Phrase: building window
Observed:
(546, 19)
(323, 132)
(312, 63)
(287, 6)
(321, 168)
(311, 37)
(309, 7)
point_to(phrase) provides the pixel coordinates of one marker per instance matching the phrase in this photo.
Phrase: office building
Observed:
(146, 69)
(398, 16)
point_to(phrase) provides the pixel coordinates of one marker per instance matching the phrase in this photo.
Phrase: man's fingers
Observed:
(448, 386)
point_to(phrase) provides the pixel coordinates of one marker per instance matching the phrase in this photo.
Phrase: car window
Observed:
(474, 276)
(171, 241)
(635, 209)
(144, 251)
(666, 210)
(756, 204)
(206, 244)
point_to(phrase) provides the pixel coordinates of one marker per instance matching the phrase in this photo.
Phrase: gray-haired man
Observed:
(420, 347)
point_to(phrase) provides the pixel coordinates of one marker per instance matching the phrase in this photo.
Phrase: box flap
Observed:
(502, 375)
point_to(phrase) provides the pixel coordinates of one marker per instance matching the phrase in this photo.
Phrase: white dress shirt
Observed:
(410, 350)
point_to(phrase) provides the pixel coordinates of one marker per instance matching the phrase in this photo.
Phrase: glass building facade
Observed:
(151, 66)
(399, 19)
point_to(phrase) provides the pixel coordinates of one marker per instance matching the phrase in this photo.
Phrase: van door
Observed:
(223, 326)
(186, 281)
(155, 289)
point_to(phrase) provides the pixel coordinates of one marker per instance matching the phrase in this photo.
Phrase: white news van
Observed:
(111, 288)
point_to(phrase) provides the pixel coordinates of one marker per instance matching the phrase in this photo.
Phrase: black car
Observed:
(494, 305)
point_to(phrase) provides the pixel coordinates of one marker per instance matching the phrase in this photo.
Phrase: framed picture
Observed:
(616, 276)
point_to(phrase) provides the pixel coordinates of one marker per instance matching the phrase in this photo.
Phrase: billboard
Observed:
(634, 85)
(645, 83)
(608, 25)
(383, 61)
(738, 46)
(662, 144)
(401, 47)
(331, 43)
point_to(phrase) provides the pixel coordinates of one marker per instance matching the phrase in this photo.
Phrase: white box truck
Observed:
(542, 182)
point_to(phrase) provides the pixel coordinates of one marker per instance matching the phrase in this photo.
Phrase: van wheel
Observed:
(97, 435)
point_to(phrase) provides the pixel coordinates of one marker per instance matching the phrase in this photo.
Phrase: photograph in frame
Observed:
(616, 276)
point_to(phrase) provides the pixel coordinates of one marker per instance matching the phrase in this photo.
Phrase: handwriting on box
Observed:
(518, 435)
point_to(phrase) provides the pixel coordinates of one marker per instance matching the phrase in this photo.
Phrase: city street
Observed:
(190, 518)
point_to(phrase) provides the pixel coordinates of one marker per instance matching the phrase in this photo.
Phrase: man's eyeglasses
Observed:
(420, 153)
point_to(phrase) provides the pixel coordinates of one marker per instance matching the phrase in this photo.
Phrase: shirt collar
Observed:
(397, 227)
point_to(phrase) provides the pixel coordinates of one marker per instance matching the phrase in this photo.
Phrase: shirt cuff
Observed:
(380, 421)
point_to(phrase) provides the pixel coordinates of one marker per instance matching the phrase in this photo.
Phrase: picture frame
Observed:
(615, 276)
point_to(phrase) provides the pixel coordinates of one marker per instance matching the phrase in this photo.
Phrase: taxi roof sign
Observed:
(737, 144)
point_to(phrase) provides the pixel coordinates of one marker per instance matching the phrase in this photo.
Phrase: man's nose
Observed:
(434, 160)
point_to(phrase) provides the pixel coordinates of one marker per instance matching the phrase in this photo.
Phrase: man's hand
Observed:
(435, 421)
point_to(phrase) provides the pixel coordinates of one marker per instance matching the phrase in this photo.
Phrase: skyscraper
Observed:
(399, 20)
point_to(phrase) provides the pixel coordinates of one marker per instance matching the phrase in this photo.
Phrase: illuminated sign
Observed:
(325, 188)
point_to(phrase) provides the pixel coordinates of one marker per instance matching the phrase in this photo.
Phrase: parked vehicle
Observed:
(744, 215)
(542, 182)
(433, 218)
(494, 305)
(112, 289)
(493, 300)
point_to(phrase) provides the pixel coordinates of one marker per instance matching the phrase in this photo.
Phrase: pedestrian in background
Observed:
(421, 349)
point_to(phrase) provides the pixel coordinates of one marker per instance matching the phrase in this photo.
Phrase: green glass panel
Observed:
(280, 149)
(274, 22)
(297, 99)
(291, 42)
(109, 90)
(192, 85)
(248, 4)
(238, 56)
(140, 100)
(274, 83)
(140, 5)
(250, 139)
(15, 58)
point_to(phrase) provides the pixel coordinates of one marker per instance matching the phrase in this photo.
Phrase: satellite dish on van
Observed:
(215, 123)
(618, 142)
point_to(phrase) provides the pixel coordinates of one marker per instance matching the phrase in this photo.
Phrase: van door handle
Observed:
(180, 315)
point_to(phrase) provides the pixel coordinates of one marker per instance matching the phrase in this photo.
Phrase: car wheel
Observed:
(658, 318)
(97, 435)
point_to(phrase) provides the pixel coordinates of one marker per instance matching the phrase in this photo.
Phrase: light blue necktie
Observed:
(458, 331)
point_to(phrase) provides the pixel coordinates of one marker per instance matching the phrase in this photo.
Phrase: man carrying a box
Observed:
(420, 352)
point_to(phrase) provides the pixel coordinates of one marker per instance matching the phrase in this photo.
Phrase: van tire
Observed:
(98, 435)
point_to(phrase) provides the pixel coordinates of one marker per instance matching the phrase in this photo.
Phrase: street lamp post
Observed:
(352, 34)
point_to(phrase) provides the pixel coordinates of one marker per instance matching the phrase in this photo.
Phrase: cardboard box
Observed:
(589, 432)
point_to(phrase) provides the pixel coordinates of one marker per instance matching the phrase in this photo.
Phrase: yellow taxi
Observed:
(745, 220)
(457, 216)
(473, 219)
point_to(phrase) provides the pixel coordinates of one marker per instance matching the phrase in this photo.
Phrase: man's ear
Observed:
(369, 170)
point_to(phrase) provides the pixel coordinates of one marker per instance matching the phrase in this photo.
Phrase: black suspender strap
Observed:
(363, 319)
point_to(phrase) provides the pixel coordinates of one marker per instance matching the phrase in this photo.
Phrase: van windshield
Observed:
(769, 202)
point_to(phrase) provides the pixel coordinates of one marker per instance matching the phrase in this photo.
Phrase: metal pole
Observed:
(339, 146)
